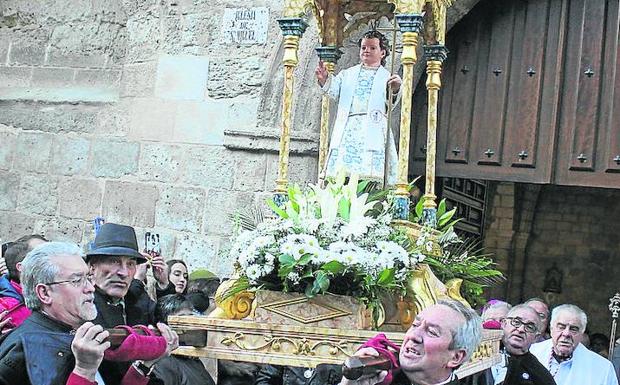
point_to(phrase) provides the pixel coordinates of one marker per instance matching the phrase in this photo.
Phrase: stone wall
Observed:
(533, 227)
(145, 112)
(142, 112)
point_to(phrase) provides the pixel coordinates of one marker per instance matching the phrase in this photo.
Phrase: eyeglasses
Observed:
(76, 282)
(529, 327)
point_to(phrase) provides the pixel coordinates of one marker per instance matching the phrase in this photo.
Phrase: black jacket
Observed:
(401, 379)
(290, 375)
(521, 370)
(38, 352)
(139, 310)
(179, 370)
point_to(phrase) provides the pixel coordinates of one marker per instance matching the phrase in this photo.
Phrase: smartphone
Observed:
(151, 243)
(97, 223)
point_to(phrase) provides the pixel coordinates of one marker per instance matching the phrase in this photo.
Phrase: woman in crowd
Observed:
(177, 275)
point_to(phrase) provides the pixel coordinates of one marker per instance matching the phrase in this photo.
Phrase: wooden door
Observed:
(518, 102)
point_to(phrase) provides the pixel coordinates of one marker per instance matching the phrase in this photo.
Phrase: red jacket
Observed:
(18, 312)
(132, 377)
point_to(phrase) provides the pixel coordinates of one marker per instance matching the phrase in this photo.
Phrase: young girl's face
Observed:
(371, 52)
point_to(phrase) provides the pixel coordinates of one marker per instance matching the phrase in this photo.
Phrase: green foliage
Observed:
(467, 260)
(289, 252)
(444, 216)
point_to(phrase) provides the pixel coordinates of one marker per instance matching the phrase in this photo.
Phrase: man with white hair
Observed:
(58, 344)
(518, 366)
(568, 361)
(441, 338)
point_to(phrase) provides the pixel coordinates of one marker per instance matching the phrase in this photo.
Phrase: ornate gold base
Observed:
(302, 346)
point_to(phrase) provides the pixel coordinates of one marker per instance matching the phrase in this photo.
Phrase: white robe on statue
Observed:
(584, 368)
(357, 142)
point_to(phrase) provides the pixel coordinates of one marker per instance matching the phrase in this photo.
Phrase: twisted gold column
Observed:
(410, 25)
(435, 55)
(329, 55)
(293, 29)
(324, 132)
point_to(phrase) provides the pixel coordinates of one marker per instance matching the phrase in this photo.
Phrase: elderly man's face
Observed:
(543, 311)
(566, 333)
(70, 297)
(495, 314)
(518, 339)
(113, 274)
(425, 353)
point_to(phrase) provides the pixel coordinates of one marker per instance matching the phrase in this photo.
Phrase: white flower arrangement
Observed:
(327, 239)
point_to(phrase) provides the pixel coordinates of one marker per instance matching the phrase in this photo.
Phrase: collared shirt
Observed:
(118, 303)
(500, 369)
(447, 381)
(584, 368)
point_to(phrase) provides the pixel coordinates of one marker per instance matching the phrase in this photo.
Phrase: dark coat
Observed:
(37, 353)
(179, 370)
(401, 379)
(290, 375)
(139, 310)
(521, 370)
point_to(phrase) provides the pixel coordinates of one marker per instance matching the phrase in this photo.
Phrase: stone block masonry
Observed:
(121, 108)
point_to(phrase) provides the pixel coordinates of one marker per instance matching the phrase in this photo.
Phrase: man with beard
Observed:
(568, 361)
(57, 344)
(518, 366)
(441, 338)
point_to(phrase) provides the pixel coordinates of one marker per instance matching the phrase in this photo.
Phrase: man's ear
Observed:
(456, 359)
(43, 294)
(18, 266)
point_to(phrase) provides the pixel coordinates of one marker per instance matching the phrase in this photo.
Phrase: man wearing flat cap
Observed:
(119, 298)
(113, 259)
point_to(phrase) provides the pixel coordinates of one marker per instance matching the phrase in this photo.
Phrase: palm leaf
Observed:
(248, 218)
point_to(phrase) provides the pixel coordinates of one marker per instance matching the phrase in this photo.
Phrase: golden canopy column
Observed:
(329, 55)
(435, 56)
(292, 29)
(410, 26)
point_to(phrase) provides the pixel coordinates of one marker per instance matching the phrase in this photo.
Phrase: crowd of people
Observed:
(59, 305)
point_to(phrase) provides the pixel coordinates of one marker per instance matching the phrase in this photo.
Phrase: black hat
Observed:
(116, 240)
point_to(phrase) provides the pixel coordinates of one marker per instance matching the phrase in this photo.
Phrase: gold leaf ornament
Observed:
(237, 306)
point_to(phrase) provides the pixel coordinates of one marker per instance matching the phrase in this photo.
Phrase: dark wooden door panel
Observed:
(522, 125)
(458, 126)
(489, 115)
(496, 110)
(589, 128)
(609, 140)
(531, 94)
(583, 59)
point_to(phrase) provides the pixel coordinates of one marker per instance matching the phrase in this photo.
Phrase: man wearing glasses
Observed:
(57, 344)
(568, 361)
(518, 366)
